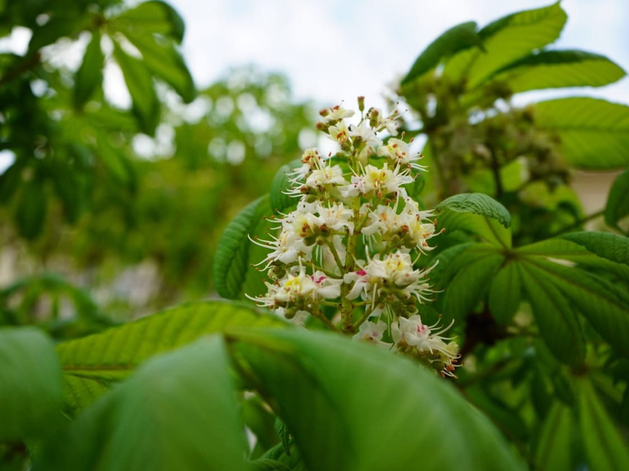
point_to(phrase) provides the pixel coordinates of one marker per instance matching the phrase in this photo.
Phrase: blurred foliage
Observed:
(78, 191)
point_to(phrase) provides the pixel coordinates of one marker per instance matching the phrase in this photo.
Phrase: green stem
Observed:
(316, 312)
(363, 318)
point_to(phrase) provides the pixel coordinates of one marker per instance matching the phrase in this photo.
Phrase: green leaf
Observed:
(594, 133)
(457, 38)
(505, 293)
(338, 396)
(260, 421)
(279, 200)
(476, 213)
(603, 304)
(514, 36)
(470, 285)
(235, 253)
(57, 27)
(90, 74)
(164, 61)
(282, 431)
(557, 69)
(554, 447)
(10, 181)
(30, 384)
(604, 446)
(146, 106)
(179, 409)
(617, 206)
(604, 244)
(152, 17)
(558, 323)
(265, 464)
(91, 364)
(566, 249)
(30, 212)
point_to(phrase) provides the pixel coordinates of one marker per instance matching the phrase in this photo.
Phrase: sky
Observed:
(337, 50)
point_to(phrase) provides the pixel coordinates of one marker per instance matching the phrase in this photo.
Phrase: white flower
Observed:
(366, 134)
(426, 341)
(326, 177)
(398, 152)
(395, 270)
(339, 133)
(387, 122)
(337, 113)
(372, 333)
(336, 217)
(300, 290)
(413, 332)
(377, 182)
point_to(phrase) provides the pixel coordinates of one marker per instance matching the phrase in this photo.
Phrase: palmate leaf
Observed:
(235, 253)
(457, 38)
(617, 206)
(278, 198)
(506, 40)
(179, 409)
(470, 285)
(476, 213)
(151, 17)
(554, 448)
(505, 293)
(30, 384)
(594, 133)
(91, 364)
(557, 321)
(351, 407)
(557, 69)
(164, 61)
(563, 248)
(89, 76)
(145, 104)
(604, 244)
(603, 304)
(605, 448)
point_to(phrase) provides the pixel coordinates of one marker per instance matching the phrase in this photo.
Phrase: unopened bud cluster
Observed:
(352, 242)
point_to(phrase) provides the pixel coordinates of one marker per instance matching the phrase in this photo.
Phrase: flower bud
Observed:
(361, 103)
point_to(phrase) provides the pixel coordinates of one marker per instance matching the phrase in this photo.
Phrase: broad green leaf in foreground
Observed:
(233, 274)
(180, 409)
(594, 133)
(30, 384)
(91, 364)
(476, 213)
(351, 406)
